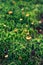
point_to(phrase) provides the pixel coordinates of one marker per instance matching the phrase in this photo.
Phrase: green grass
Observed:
(17, 34)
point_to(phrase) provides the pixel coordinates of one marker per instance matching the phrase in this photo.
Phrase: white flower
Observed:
(22, 9)
(28, 33)
(27, 15)
(10, 12)
(6, 56)
(28, 37)
(39, 21)
(21, 19)
(4, 25)
(32, 23)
